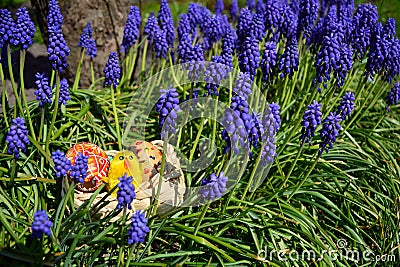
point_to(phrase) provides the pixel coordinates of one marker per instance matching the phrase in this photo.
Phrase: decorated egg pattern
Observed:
(149, 158)
(98, 164)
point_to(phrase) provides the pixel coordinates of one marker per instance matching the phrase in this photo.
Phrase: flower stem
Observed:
(55, 111)
(18, 101)
(116, 118)
(92, 71)
(305, 178)
(4, 96)
(22, 83)
(200, 218)
(78, 70)
(144, 56)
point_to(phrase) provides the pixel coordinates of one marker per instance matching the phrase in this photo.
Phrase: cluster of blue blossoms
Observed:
(126, 192)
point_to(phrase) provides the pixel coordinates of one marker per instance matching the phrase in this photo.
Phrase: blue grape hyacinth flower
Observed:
(54, 17)
(24, 29)
(184, 26)
(275, 112)
(213, 187)
(150, 27)
(160, 44)
(64, 96)
(243, 86)
(80, 168)
(268, 152)
(329, 132)
(86, 41)
(311, 119)
(219, 6)
(393, 96)
(112, 70)
(167, 106)
(61, 164)
(250, 57)
(138, 229)
(131, 30)
(41, 224)
(289, 62)
(346, 106)
(126, 192)
(269, 61)
(17, 137)
(7, 28)
(43, 90)
(57, 50)
(234, 10)
(166, 22)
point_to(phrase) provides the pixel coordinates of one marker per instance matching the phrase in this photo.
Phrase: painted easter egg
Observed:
(149, 158)
(98, 165)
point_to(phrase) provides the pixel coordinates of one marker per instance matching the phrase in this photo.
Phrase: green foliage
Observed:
(351, 193)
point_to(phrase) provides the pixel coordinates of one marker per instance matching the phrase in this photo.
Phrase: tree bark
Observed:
(108, 19)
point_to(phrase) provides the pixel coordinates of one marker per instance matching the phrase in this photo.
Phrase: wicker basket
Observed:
(171, 195)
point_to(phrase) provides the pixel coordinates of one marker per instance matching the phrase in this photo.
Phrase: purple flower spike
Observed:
(112, 71)
(126, 192)
(311, 119)
(275, 112)
(394, 95)
(167, 106)
(43, 92)
(17, 137)
(346, 105)
(243, 85)
(234, 10)
(41, 224)
(250, 4)
(54, 17)
(268, 153)
(269, 60)
(290, 59)
(131, 30)
(24, 30)
(308, 16)
(390, 28)
(364, 20)
(184, 26)
(7, 28)
(185, 46)
(244, 28)
(139, 229)
(86, 35)
(57, 50)
(86, 41)
(214, 187)
(166, 22)
(61, 164)
(80, 168)
(64, 92)
(329, 132)
(250, 57)
(160, 44)
(219, 7)
(151, 27)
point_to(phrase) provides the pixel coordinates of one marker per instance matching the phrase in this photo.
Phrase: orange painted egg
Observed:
(98, 164)
(149, 158)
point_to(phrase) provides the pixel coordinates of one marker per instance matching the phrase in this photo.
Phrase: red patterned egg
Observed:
(149, 158)
(98, 164)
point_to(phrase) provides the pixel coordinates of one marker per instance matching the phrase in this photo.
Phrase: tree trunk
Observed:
(108, 19)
